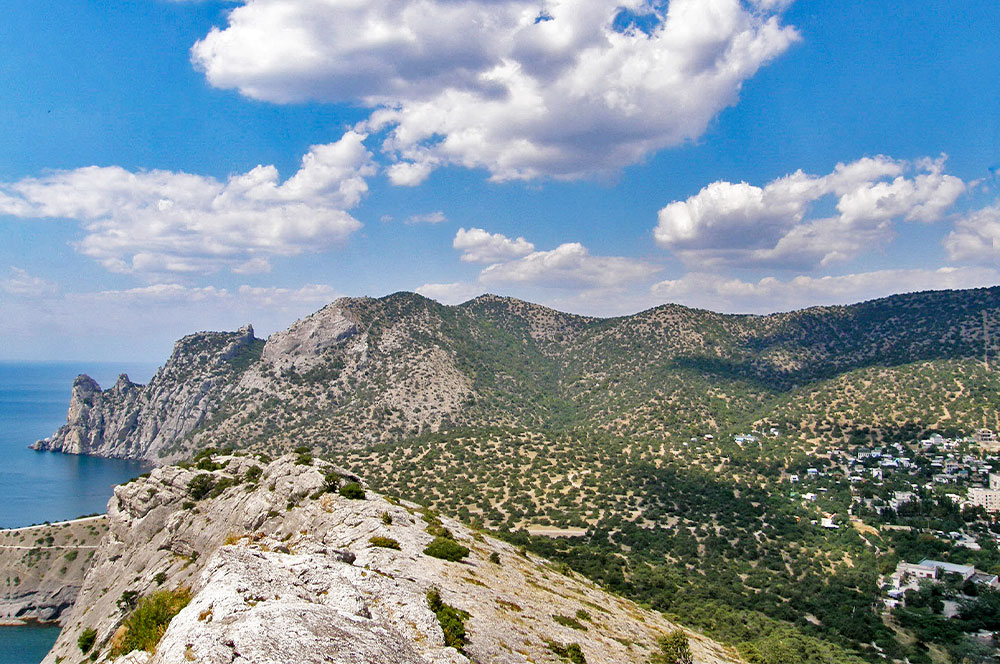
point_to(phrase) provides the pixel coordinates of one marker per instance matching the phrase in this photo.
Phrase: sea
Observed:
(36, 487)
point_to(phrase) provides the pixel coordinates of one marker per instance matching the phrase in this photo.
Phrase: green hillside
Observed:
(620, 433)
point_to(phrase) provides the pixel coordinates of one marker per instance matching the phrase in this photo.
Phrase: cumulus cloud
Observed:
(173, 222)
(743, 224)
(720, 293)
(568, 272)
(451, 293)
(21, 283)
(563, 89)
(242, 297)
(976, 237)
(480, 246)
(569, 265)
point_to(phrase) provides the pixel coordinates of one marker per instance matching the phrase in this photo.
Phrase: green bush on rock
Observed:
(86, 640)
(144, 627)
(446, 549)
(353, 491)
(452, 620)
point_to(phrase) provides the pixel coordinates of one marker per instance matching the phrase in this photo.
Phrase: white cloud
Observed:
(453, 293)
(26, 285)
(743, 224)
(976, 237)
(568, 272)
(429, 218)
(410, 174)
(485, 83)
(720, 293)
(315, 295)
(172, 222)
(569, 265)
(155, 293)
(480, 246)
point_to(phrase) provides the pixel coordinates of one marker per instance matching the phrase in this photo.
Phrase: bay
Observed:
(47, 486)
(27, 644)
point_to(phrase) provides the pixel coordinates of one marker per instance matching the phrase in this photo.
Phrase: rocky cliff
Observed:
(42, 567)
(365, 370)
(137, 421)
(283, 563)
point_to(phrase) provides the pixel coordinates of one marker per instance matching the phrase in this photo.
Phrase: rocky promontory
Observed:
(141, 421)
(295, 560)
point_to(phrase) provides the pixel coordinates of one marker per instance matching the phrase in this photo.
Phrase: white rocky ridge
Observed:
(283, 570)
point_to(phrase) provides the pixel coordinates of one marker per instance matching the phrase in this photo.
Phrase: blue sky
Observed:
(173, 166)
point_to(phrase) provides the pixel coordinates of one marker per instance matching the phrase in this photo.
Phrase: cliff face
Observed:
(42, 567)
(139, 421)
(282, 568)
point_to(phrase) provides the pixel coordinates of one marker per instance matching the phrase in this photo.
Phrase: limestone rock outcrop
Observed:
(147, 421)
(283, 568)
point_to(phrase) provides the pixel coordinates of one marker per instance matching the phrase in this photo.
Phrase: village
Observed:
(943, 491)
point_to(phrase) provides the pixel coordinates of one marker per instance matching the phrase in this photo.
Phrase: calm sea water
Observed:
(26, 645)
(46, 486)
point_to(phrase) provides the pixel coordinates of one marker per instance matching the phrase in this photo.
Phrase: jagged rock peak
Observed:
(140, 421)
(84, 384)
(124, 382)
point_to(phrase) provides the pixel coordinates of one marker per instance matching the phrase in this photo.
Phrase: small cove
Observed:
(44, 486)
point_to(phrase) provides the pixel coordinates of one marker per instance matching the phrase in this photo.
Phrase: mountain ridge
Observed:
(363, 370)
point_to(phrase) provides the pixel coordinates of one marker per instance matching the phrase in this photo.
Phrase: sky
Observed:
(174, 166)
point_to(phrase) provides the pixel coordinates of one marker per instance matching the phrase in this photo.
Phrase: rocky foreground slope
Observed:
(281, 567)
(365, 370)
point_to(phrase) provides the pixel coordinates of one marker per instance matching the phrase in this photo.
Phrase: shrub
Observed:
(446, 549)
(253, 473)
(127, 601)
(434, 525)
(331, 480)
(384, 542)
(200, 485)
(495, 558)
(386, 518)
(160, 578)
(674, 649)
(570, 622)
(206, 463)
(144, 627)
(571, 651)
(220, 486)
(86, 640)
(353, 491)
(452, 620)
